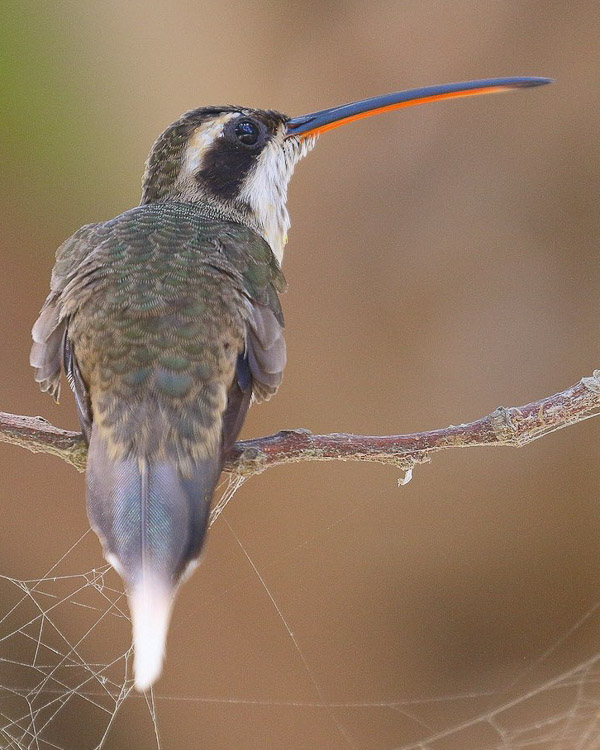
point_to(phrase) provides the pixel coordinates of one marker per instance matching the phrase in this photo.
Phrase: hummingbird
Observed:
(167, 323)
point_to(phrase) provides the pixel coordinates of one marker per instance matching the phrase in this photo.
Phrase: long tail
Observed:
(151, 521)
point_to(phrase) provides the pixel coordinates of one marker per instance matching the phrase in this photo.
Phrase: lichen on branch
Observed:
(515, 426)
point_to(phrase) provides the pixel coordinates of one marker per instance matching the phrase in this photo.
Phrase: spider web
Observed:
(51, 671)
(57, 662)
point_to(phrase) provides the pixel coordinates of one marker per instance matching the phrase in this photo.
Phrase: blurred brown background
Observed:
(442, 260)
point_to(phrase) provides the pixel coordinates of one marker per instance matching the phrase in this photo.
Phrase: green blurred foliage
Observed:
(55, 144)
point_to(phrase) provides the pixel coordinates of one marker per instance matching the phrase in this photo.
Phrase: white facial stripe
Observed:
(203, 138)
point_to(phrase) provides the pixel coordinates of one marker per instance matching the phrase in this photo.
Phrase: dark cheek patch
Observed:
(224, 169)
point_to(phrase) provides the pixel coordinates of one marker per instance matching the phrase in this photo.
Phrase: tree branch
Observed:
(515, 426)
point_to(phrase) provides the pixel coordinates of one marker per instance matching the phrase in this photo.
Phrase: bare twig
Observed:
(516, 426)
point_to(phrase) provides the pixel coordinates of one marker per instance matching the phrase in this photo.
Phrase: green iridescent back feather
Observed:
(156, 302)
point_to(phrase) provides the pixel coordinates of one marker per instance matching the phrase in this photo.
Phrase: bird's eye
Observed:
(247, 132)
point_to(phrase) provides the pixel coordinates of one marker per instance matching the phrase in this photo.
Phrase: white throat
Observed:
(265, 189)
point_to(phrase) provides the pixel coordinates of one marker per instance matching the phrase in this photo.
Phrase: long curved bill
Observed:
(326, 119)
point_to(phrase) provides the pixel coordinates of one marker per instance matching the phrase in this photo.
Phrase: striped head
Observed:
(238, 161)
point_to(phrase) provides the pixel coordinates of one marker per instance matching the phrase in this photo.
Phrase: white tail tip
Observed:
(150, 605)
